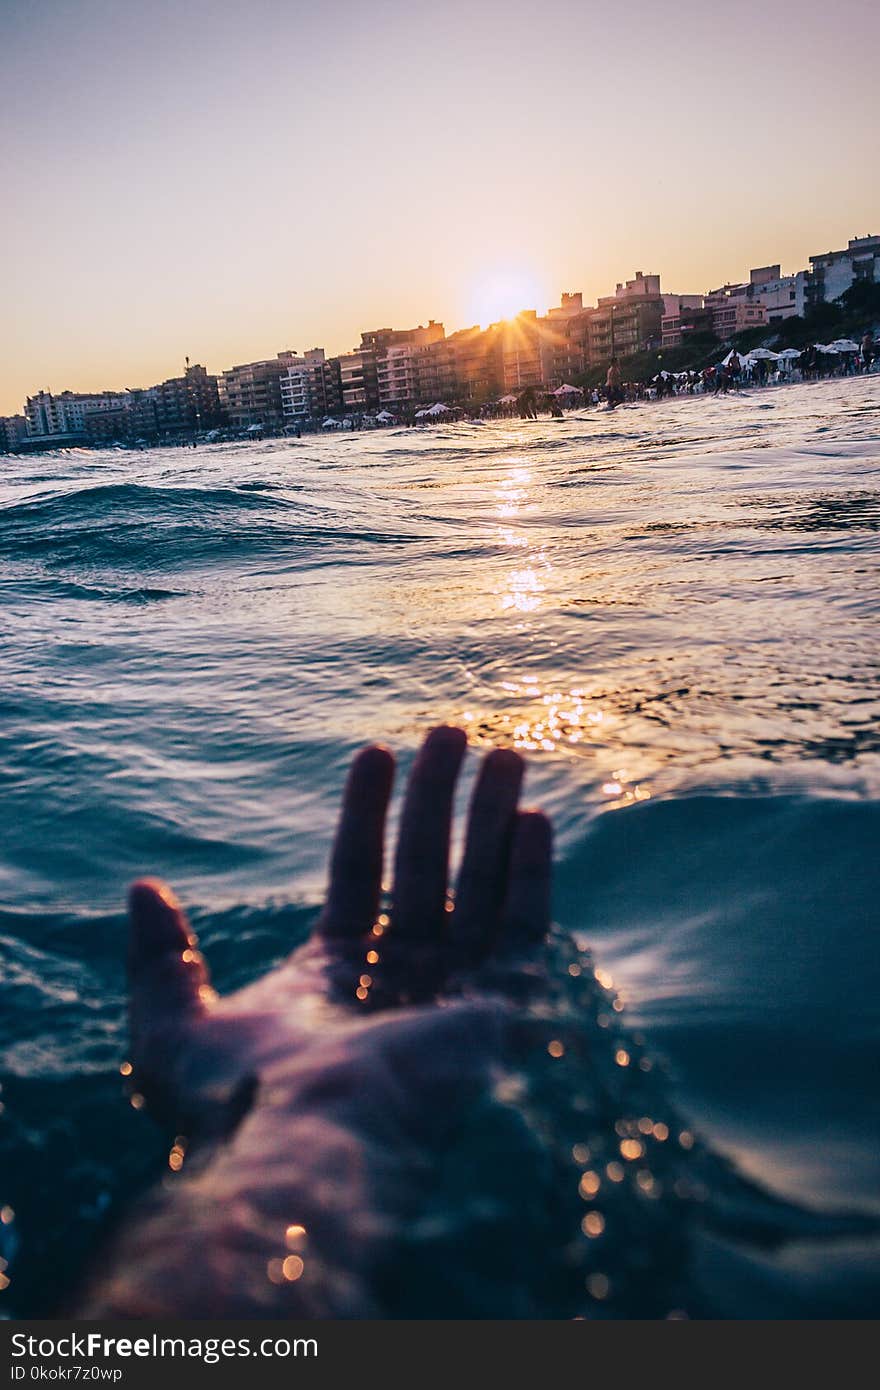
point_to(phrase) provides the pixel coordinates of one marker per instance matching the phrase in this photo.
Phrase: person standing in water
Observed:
(612, 384)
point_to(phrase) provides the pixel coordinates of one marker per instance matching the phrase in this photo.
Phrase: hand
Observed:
(318, 1099)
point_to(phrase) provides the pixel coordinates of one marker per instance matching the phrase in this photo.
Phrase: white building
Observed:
(833, 272)
(68, 413)
(777, 292)
(309, 387)
(396, 374)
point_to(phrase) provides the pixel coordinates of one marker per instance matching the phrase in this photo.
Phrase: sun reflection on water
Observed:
(555, 721)
(523, 593)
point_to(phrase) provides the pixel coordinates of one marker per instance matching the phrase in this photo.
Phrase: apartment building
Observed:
(359, 380)
(76, 417)
(682, 314)
(191, 401)
(250, 394)
(13, 429)
(567, 343)
(311, 387)
(522, 359)
(181, 404)
(832, 273)
(777, 292)
(734, 308)
(475, 364)
(628, 321)
(392, 367)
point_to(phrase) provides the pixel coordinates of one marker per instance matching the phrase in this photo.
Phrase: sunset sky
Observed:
(225, 180)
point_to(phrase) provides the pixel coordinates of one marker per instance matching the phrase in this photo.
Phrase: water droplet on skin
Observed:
(295, 1237)
(589, 1184)
(593, 1224)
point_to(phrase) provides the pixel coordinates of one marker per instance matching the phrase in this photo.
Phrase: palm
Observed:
(331, 1096)
(197, 1058)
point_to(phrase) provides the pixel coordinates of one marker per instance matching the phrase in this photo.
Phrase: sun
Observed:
(502, 294)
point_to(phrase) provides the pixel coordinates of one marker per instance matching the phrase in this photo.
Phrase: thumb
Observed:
(169, 989)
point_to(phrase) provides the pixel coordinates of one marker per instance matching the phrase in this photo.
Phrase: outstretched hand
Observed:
(317, 1099)
(194, 1053)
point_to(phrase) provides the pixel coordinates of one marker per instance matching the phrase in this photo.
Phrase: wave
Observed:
(156, 527)
(742, 931)
(68, 589)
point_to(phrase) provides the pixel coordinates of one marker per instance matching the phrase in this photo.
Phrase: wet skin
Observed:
(315, 1111)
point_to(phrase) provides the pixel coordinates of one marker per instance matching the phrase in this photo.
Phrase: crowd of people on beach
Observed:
(760, 367)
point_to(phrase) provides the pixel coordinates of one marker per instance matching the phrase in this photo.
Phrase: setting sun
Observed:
(502, 294)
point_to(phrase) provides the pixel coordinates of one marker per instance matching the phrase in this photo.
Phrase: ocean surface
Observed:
(673, 608)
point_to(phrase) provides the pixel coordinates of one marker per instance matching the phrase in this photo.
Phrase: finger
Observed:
(527, 909)
(422, 862)
(356, 862)
(483, 879)
(167, 973)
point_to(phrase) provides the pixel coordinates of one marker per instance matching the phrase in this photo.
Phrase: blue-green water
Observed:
(672, 608)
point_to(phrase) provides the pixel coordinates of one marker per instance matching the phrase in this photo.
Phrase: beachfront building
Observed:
(182, 404)
(250, 394)
(75, 417)
(311, 388)
(358, 381)
(475, 364)
(434, 369)
(395, 374)
(627, 321)
(734, 308)
(522, 344)
(566, 340)
(682, 314)
(777, 292)
(404, 365)
(13, 429)
(832, 273)
(188, 402)
(393, 367)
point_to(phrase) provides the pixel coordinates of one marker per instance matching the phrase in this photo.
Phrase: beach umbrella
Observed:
(566, 390)
(384, 415)
(789, 354)
(507, 400)
(844, 345)
(438, 409)
(763, 355)
(330, 423)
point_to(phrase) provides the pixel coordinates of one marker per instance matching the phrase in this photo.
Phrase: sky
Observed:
(223, 180)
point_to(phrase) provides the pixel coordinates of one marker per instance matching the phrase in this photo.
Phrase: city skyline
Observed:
(226, 185)
(395, 366)
(507, 287)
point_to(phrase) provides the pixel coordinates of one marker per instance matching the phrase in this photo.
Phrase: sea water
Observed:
(671, 608)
